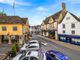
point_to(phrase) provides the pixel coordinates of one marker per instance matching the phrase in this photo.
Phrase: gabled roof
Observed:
(46, 20)
(54, 17)
(72, 15)
(12, 20)
(75, 17)
(25, 20)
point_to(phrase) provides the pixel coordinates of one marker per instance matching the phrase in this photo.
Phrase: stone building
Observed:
(35, 29)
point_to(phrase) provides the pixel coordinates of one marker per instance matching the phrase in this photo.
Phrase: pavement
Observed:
(4, 48)
(68, 45)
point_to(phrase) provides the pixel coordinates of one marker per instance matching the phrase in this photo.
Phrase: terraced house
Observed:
(13, 29)
(63, 26)
(49, 26)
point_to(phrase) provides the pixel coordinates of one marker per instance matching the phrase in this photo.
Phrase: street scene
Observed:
(39, 30)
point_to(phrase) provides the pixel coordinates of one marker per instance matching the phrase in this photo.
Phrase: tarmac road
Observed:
(74, 55)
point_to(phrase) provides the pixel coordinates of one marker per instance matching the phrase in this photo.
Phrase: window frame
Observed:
(63, 26)
(63, 31)
(4, 28)
(73, 25)
(15, 28)
(73, 32)
(67, 18)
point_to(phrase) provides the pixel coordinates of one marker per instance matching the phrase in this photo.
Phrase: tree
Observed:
(17, 46)
(13, 51)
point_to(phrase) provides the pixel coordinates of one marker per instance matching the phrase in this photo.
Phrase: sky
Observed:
(38, 10)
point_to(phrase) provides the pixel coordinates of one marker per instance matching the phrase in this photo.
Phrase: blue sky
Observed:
(38, 10)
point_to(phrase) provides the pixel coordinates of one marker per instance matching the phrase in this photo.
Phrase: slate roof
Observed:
(12, 20)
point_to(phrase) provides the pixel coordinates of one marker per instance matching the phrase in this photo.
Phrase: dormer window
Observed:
(67, 18)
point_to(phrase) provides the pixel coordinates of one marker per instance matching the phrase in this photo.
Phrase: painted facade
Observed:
(13, 29)
(69, 29)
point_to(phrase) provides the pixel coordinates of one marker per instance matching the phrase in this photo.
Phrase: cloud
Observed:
(41, 9)
(10, 2)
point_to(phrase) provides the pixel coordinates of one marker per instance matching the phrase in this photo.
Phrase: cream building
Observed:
(49, 26)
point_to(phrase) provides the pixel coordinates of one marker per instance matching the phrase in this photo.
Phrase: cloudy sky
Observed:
(37, 10)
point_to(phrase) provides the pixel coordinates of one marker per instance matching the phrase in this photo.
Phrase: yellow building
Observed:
(13, 29)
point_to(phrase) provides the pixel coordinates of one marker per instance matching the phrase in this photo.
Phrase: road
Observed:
(74, 55)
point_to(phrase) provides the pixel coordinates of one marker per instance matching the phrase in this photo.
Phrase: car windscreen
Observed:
(53, 56)
(23, 51)
(33, 58)
(32, 42)
(32, 47)
(25, 58)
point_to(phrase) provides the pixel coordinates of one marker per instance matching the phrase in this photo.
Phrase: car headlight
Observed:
(67, 58)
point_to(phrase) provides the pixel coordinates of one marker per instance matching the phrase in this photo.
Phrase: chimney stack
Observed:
(63, 6)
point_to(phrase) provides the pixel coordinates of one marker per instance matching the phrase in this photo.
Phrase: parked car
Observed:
(17, 57)
(24, 47)
(33, 42)
(56, 55)
(33, 47)
(30, 55)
